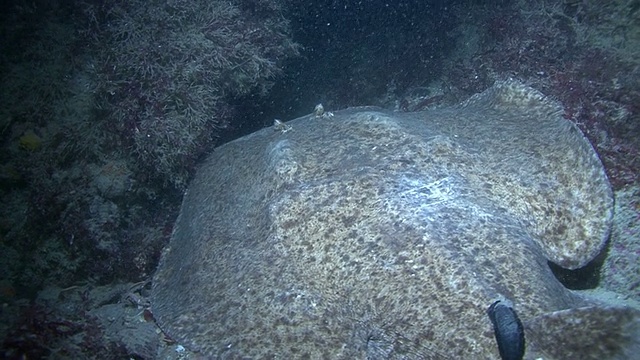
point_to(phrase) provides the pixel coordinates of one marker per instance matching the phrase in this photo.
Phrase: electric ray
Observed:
(380, 235)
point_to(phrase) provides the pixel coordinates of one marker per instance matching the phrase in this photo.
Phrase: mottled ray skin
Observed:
(378, 235)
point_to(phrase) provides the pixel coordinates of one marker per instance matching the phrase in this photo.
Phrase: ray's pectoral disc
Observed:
(376, 234)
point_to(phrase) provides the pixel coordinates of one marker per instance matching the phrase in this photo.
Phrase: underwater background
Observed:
(107, 108)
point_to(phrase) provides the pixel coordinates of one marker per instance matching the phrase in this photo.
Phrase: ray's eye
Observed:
(508, 331)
